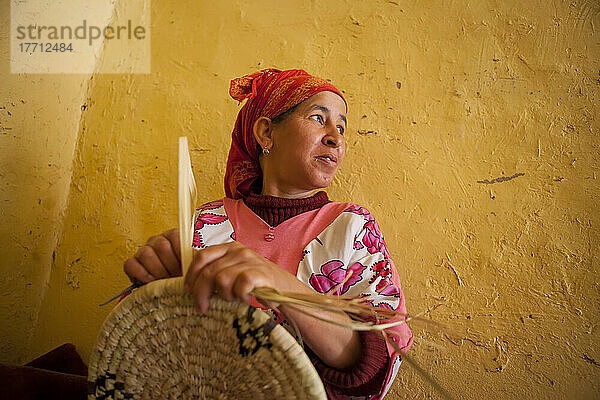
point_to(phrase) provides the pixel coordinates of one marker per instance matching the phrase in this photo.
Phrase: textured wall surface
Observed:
(40, 119)
(472, 138)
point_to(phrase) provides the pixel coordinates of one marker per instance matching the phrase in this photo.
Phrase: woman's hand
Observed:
(159, 258)
(232, 271)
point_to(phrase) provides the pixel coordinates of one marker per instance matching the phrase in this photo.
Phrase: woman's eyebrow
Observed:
(326, 110)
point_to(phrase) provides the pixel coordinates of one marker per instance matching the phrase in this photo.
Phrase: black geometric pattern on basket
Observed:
(251, 340)
(101, 390)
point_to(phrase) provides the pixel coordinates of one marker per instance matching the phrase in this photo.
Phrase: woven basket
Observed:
(154, 345)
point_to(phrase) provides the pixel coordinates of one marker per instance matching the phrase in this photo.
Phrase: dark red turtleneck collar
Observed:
(275, 210)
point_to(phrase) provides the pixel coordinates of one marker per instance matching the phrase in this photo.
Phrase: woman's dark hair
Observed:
(281, 117)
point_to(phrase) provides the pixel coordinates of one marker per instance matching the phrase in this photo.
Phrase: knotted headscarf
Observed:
(270, 92)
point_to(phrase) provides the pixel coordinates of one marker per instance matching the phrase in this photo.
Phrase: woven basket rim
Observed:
(148, 307)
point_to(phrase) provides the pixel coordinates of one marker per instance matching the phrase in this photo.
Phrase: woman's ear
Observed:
(262, 131)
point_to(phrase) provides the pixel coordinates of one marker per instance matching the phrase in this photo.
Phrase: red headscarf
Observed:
(270, 92)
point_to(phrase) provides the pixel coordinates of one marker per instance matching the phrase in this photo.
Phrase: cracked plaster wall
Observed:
(472, 138)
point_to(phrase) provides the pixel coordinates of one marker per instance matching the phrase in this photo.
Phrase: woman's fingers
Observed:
(223, 279)
(159, 258)
(234, 282)
(134, 270)
(173, 236)
(163, 247)
(212, 280)
(202, 289)
(244, 284)
(231, 270)
(200, 260)
(147, 257)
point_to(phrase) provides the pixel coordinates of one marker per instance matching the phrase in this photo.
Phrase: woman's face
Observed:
(307, 146)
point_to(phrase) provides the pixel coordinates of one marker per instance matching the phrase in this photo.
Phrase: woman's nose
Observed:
(333, 138)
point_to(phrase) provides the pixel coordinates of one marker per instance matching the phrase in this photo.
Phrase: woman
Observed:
(276, 229)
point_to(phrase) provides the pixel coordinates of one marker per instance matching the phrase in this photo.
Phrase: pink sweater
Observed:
(260, 223)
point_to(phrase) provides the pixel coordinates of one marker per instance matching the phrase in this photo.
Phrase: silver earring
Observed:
(266, 151)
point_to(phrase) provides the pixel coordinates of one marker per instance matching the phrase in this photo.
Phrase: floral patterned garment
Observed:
(351, 245)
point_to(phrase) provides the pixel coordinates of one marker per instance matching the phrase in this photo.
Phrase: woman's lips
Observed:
(329, 159)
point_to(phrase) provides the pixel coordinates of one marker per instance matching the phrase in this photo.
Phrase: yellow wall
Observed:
(444, 97)
(39, 122)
